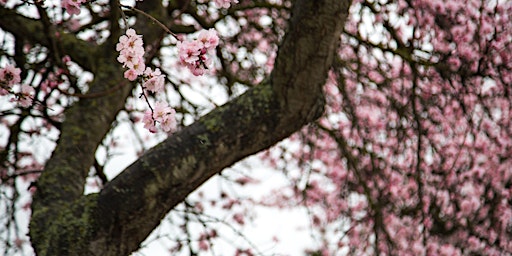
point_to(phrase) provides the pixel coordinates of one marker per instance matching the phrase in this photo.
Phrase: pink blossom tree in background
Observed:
(408, 148)
(413, 154)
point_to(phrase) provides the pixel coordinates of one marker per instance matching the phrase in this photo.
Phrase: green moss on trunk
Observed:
(66, 230)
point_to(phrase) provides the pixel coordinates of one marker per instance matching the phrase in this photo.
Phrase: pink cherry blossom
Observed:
(189, 51)
(194, 54)
(224, 3)
(10, 75)
(208, 39)
(155, 81)
(164, 114)
(149, 121)
(131, 52)
(168, 122)
(26, 95)
(130, 74)
(239, 218)
(161, 113)
(203, 245)
(72, 6)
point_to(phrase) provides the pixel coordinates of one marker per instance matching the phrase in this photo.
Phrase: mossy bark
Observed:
(121, 216)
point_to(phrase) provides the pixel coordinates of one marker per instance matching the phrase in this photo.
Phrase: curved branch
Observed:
(31, 30)
(133, 204)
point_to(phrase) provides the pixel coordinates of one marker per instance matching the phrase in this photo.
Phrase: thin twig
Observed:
(153, 19)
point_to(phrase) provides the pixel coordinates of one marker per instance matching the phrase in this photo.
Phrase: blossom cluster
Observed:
(224, 3)
(131, 55)
(154, 81)
(9, 77)
(72, 6)
(411, 159)
(194, 54)
(161, 113)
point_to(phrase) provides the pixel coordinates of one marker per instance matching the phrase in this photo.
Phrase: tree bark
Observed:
(116, 220)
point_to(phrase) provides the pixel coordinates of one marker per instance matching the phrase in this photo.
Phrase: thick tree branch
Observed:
(61, 185)
(32, 31)
(134, 203)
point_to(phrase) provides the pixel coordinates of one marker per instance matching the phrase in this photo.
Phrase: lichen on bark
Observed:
(65, 230)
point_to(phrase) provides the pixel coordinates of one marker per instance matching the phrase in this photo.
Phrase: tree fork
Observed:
(123, 214)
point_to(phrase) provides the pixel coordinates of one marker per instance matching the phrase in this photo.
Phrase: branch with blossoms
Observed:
(193, 54)
(10, 84)
(72, 7)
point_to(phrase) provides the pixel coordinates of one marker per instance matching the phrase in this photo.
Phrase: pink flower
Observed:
(454, 63)
(72, 24)
(130, 74)
(163, 114)
(168, 123)
(131, 53)
(10, 75)
(224, 3)
(155, 80)
(208, 39)
(189, 51)
(148, 121)
(194, 54)
(160, 110)
(129, 41)
(203, 245)
(66, 59)
(154, 84)
(239, 218)
(72, 6)
(198, 69)
(448, 250)
(474, 243)
(26, 94)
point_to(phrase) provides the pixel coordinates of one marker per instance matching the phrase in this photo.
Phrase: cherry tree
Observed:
(413, 154)
(407, 151)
